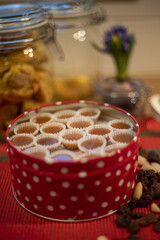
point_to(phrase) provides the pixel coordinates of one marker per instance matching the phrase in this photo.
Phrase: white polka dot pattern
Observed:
(94, 214)
(121, 182)
(18, 180)
(118, 172)
(35, 166)
(24, 173)
(64, 170)
(128, 166)
(62, 207)
(120, 159)
(86, 190)
(48, 179)
(117, 198)
(36, 179)
(74, 198)
(28, 186)
(109, 188)
(91, 199)
(129, 153)
(80, 186)
(50, 208)
(65, 184)
(35, 206)
(108, 174)
(39, 198)
(24, 162)
(82, 174)
(97, 183)
(53, 194)
(80, 212)
(100, 164)
(27, 199)
(104, 204)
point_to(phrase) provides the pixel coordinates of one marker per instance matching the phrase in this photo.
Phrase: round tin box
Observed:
(78, 190)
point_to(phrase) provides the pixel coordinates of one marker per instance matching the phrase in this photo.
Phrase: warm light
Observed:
(80, 35)
(28, 51)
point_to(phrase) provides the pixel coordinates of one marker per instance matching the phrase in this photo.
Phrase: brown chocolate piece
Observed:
(47, 141)
(91, 143)
(80, 124)
(121, 125)
(21, 140)
(99, 131)
(123, 137)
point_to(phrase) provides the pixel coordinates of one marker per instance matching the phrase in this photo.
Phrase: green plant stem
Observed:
(121, 63)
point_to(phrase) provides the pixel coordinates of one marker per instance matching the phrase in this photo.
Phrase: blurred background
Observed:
(77, 68)
(142, 17)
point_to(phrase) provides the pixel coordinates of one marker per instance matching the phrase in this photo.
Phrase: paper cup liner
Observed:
(64, 115)
(111, 149)
(49, 141)
(52, 128)
(62, 156)
(85, 157)
(122, 136)
(92, 113)
(22, 141)
(80, 123)
(27, 127)
(120, 124)
(38, 152)
(70, 137)
(91, 144)
(41, 118)
(99, 130)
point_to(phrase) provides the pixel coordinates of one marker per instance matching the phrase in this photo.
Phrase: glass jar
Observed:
(77, 26)
(26, 60)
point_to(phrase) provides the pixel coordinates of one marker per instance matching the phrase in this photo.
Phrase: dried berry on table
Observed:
(148, 185)
(123, 220)
(124, 208)
(153, 156)
(137, 215)
(145, 200)
(133, 203)
(157, 227)
(147, 220)
(133, 237)
(156, 189)
(133, 227)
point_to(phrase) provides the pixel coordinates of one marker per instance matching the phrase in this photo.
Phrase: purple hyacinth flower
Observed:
(122, 34)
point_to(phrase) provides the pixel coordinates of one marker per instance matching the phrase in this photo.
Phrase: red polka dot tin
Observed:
(78, 190)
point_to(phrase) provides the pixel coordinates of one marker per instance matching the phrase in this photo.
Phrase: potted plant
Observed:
(120, 90)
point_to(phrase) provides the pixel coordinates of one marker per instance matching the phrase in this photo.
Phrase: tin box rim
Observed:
(72, 102)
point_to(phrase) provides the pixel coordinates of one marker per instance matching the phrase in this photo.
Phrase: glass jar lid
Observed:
(70, 13)
(21, 24)
(21, 16)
